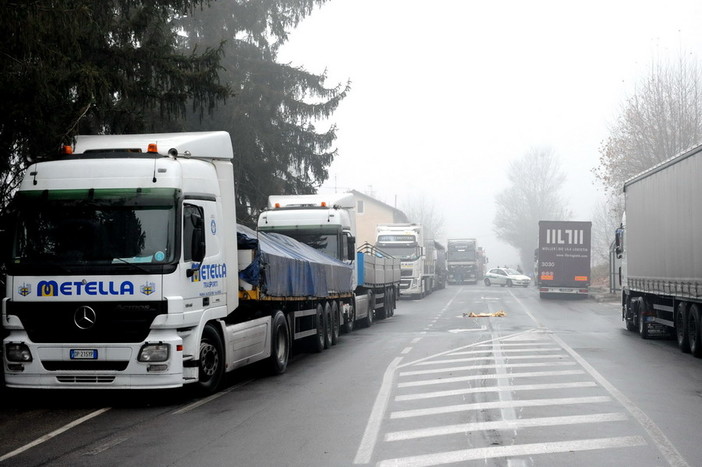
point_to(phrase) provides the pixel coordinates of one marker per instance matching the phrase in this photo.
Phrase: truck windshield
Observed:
(94, 230)
(399, 251)
(327, 243)
(461, 254)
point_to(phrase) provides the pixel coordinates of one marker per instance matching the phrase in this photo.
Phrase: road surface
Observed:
(552, 382)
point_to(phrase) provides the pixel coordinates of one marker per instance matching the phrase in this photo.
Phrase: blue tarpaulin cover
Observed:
(283, 267)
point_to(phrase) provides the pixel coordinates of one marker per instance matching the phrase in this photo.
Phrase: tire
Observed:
(383, 312)
(694, 331)
(392, 301)
(350, 320)
(336, 322)
(681, 331)
(280, 344)
(487, 282)
(629, 317)
(368, 320)
(327, 326)
(639, 307)
(509, 282)
(211, 361)
(318, 339)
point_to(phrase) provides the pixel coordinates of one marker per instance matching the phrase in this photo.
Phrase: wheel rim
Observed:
(281, 348)
(692, 330)
(679, 326)
(209, 359)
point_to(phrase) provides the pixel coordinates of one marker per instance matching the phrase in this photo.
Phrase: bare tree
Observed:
(662, 118)
(536, 179)
(421, 210)
(606, 217)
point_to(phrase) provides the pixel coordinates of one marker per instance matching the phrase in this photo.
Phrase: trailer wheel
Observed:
(211, 369)
(391, 301)
(280, 344)
(318, 341)
(639, 306)
(351, 318)
(327, 326)
(681, 331)
(368, 320)
(336, 322)
(693, 330)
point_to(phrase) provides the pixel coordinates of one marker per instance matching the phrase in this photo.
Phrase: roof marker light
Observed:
(324, 204)
(66, 149)
(153, 148)
(277, 205)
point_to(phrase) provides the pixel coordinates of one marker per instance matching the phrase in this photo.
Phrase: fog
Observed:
(444, 93)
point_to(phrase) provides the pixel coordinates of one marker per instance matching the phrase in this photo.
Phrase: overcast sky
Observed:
(446, 92)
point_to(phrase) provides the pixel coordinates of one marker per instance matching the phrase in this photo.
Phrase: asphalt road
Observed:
(552, 382)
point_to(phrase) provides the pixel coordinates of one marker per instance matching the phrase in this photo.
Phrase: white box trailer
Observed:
(661, 251)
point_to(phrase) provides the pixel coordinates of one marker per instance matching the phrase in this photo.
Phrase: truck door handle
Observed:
(205, 301)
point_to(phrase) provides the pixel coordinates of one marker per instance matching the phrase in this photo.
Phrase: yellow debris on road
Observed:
(497, 314)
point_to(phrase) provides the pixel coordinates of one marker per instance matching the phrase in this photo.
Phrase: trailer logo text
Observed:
(565, 236)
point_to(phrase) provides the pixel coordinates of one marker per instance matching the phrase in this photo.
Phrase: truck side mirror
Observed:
(619, 242)
(351, 248)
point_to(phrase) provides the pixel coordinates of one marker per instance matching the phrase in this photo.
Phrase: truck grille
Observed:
(60, 365)
(110, 321)
(86, 379)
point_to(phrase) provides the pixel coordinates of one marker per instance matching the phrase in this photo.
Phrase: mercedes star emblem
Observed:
(84, 317)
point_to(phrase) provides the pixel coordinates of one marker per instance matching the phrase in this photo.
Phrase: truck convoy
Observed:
(462, 261)
(417, 259)
(328, 224)
(127, 270)
(661, 253)
(563, 258)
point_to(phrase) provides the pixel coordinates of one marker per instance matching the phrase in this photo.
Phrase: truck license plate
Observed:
(84, 354)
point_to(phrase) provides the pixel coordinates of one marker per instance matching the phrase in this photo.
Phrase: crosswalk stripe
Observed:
(483, 389)
(492, 452)
(492, 357)
(498, 405)
(490, 352)
(486, 367)
(504, 425)
(459, 379)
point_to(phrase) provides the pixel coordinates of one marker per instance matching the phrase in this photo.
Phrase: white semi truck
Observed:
(128, 270)
(328, 223)
(406, 242)
(661, 253)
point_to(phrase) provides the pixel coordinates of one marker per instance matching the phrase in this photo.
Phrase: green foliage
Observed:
(89, 66)
(277, 147)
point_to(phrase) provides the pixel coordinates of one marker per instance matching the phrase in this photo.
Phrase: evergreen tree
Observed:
(272, 116)
(94, 66)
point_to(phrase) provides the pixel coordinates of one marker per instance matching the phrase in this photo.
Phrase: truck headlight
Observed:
(154, 352)
(18, 353)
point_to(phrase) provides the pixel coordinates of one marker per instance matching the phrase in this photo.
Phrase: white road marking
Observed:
(672, 456)
(506, 351)
(406, 350)
(214, 396)
(457, 331)
(492, 358)
(492, 452)
(486, 367)
(53, 434)
(531, 374)
(499, 405)
(482, 389)
(415, 340)
(370, 436)
(504, 425)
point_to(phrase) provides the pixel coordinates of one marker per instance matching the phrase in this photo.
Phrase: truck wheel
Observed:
(280, 344)
(368, 320)
(391, 301)
(211, 368)
(383, 312)
(327, 326)
(336, 322)
(487, 282)
(681, 331)
(351, 318)
(693, 330)
(639, 306)
(318, 339)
